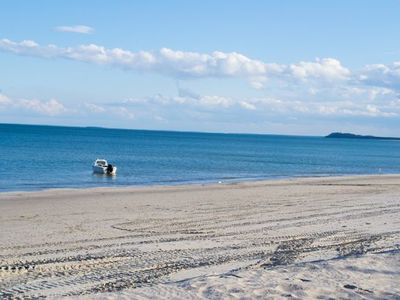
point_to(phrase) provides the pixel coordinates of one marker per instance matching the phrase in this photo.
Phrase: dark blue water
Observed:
(39, 157)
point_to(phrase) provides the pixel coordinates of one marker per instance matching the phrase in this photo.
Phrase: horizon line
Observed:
(160, 130)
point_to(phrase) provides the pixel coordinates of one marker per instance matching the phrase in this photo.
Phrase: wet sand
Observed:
(300, 238)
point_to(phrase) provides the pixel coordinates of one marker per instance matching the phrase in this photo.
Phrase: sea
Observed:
(44, 157)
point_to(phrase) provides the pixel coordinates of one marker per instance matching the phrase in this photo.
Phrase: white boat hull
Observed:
(99, 170)
(103, 170)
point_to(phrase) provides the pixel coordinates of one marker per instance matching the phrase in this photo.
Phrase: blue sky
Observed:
(291, 67)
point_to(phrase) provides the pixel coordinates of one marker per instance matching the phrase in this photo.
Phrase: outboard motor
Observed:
(109, 169)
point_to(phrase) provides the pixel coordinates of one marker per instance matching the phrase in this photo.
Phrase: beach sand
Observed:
(301, 238)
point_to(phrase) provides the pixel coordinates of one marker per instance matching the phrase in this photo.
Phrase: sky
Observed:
(273, 67)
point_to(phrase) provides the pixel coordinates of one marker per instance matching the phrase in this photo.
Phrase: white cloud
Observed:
(352, 109)
(4, 100)
(258, 82)
(75, 29)
(119, 110)
(50, 108)
(382, 75)
(212, 101)
(95, 108)
(326, 69)
(123, 112)
(247, 105)
(54, 108)
(185, 97)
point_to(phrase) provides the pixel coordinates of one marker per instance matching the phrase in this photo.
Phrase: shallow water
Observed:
(39, 157)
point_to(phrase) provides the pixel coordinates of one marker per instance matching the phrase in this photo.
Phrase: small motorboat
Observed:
(101, 166)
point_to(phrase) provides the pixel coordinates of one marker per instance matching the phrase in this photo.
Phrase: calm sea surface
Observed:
(40, 157)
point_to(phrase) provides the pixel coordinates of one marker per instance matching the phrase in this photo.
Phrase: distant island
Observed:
(357, 136)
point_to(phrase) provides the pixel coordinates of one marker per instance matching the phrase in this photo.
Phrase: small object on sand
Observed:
(350, 286)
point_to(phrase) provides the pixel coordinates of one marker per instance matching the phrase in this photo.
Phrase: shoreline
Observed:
(305, 237)
(204, 183)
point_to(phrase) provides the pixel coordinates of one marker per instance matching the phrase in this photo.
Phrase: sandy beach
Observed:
(301, 238)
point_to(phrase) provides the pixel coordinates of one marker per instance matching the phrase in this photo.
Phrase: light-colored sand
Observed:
(304, 238)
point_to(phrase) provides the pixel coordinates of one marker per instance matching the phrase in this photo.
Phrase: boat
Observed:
(101, 166)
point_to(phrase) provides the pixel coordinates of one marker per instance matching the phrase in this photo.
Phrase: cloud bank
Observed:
(370, 102)
(181, 64)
